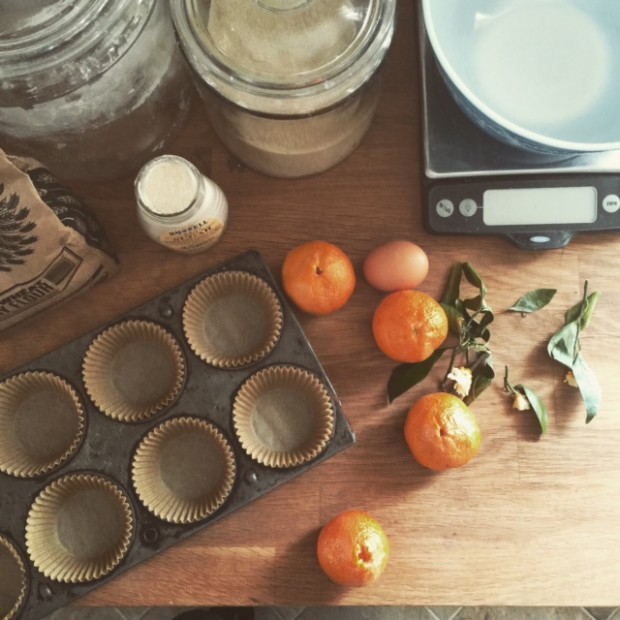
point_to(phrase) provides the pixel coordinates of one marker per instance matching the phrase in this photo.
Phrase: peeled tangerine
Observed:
(396, 266)
(353, 549)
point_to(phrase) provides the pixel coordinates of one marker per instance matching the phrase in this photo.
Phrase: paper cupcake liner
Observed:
(133, 370)
(232, 318)
(184, 470)
(283, 416)
(42, 423)
(79, 528)
(13, 579)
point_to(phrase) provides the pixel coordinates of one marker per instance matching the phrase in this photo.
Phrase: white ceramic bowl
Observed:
(539, 74)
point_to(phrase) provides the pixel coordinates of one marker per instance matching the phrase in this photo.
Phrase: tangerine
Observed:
(353, 549)
(408, 326)
(442, 432)
(318, 277)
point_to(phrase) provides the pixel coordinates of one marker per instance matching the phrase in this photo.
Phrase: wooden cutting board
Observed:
(532, 521)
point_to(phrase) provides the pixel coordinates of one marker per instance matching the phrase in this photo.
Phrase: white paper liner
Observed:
(232, 318)
(184, 470)
(13, 579)
(79, 528)
(42, 423)
(133, 370)
(283, 416)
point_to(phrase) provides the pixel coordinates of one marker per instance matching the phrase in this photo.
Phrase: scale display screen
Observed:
(539, 205)
(543, 214)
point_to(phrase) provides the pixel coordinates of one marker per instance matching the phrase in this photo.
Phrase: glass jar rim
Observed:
(72, 35)
(269, 94)
(148, 168)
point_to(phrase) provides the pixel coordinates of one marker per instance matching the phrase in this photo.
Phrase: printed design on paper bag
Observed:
(68, 209)
(16, 236)
(52, 281)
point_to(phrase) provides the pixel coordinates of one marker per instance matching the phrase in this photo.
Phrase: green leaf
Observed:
(455, 319)
(533, 301)
(588, 386)
(474, 303)
(483, 374)
(405, 376)
(473, 277)
(478, 329)
(583, 311)
(538, 406)
(535, 402)
(487, 317)
(453, 286)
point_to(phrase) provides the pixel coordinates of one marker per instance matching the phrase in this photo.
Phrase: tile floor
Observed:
(342, 613)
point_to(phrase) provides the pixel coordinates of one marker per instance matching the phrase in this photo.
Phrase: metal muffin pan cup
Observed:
(13, 579)
(109, 446)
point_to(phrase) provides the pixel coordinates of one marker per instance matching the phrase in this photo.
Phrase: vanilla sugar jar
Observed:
(178, 207)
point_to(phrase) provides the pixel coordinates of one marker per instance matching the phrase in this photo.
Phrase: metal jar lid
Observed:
(285, 57)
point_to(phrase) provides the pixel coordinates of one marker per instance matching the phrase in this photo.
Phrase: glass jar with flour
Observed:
(179, 207)
(91, 88)
(290, 86)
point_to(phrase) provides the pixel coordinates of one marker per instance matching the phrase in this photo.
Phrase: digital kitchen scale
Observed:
(475, 184)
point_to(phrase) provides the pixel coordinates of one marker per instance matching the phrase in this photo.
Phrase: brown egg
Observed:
(395, 266)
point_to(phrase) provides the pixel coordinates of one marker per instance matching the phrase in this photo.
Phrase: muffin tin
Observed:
(126, 440)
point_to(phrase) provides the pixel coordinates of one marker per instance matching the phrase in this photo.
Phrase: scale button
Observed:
(468, 207)
(611, 203)
(444, 208)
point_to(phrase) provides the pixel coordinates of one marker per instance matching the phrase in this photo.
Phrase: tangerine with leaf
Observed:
(442, 432)
(409, 326)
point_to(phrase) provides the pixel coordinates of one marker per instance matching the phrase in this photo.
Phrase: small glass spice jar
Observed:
(178, 206)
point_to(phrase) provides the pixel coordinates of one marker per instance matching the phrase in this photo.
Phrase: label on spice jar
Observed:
(194, 237)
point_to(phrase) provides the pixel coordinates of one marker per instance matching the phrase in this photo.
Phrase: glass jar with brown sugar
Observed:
(290, 86)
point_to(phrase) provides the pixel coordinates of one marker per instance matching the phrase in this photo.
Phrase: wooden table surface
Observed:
(532, 521)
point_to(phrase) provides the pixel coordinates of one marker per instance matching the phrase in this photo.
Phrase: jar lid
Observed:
(263, 54)
(50, 47)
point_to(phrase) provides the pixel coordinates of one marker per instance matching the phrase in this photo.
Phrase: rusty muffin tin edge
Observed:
(108, 445)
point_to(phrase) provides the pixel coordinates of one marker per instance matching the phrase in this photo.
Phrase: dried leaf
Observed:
(588, 386)
(483, 375)
(565, 348)
(473, 277)
(453, 286)
(533, 301)
(538, 407)
(533, 400)
(583, 310)
(455, 319)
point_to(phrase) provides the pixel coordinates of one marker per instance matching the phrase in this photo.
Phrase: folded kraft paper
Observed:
(51, 246)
